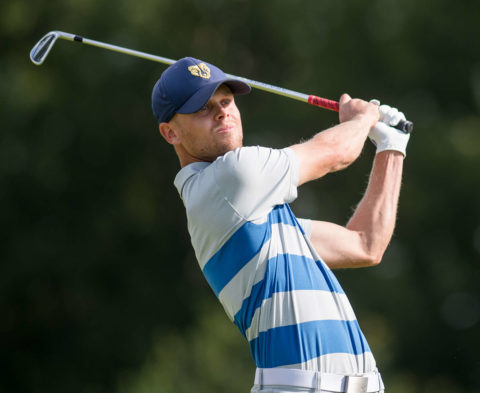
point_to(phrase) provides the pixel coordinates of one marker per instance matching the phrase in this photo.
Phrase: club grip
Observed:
(323, 103)
(405, 126)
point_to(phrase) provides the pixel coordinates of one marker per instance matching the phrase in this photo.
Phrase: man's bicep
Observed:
(338, 246)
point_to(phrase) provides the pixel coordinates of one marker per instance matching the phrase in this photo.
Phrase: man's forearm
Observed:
(332, 149)
(337, 147)
(345, 141)
(375, 215)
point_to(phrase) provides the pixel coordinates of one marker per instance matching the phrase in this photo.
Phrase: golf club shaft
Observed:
(405, 126)
(318, 101)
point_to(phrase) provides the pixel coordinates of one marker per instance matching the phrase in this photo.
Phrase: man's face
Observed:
(213, 130)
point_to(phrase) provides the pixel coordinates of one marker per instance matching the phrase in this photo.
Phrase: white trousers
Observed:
(299, 381)
(289, 389)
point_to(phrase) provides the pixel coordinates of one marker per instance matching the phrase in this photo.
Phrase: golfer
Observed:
(270, 270)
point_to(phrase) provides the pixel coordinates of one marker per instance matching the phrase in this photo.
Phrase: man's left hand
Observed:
(384, 136)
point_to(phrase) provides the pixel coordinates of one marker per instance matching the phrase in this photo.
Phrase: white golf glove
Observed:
(386, 137)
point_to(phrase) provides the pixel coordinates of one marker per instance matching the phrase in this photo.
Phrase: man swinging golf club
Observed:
(270, 270)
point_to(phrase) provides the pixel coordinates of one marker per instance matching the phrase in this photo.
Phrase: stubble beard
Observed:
(223, 147)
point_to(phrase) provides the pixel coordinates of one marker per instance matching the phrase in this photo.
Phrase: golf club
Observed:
(42, 48)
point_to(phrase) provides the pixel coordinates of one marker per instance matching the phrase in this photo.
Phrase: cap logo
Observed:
(200, 70)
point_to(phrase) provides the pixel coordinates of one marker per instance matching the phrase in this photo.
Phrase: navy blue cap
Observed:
(187, 85)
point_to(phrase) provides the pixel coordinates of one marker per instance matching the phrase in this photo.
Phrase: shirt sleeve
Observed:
(255, 179)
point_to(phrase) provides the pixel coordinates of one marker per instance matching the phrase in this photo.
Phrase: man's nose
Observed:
(221, 112)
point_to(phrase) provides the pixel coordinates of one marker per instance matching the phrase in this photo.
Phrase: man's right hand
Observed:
(356, 109)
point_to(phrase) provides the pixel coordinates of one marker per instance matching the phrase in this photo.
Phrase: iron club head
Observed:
(40, 51)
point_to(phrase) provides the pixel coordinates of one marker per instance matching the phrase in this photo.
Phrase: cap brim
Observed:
(202, 95)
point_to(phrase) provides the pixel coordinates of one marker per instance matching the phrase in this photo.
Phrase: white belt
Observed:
(361, 383)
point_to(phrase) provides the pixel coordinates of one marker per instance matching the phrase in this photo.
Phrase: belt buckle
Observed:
(356, 384)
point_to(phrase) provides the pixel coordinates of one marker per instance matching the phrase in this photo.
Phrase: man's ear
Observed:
(168, 133)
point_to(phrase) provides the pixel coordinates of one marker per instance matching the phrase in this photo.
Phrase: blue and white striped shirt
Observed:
(259, 262)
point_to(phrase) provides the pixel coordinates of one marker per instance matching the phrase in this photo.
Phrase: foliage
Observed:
(212, 356)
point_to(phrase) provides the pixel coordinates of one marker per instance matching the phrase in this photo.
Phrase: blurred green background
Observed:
(99, 287)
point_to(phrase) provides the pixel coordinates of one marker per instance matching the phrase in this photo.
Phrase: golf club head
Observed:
(42, 48)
